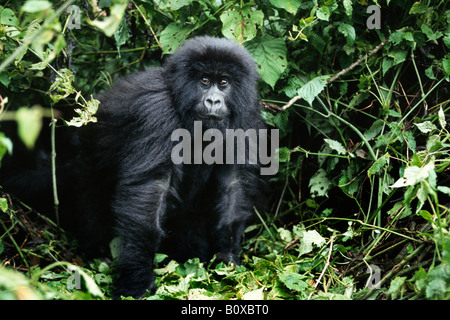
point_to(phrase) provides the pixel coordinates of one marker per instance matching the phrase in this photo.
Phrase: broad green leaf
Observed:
(426, 126)
(8, 18)
(323, 13)
(414, 175)
(290, 6)
(257, 294)
(32, 6)
(377, 165)
(319, 184)
(396, 286)
(349, 32)
(336, 145)
(310, 90)
(29, 123)
(173, 36)
(309, 240)
(270, 55)
(294, 281)
(241, 24)
(418, 7)
(432, 36)
(110, 24)
(3, 205)
(171, 5)
(374, 129)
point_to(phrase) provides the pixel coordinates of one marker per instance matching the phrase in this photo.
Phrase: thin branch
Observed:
(325, 268)
(342, 72)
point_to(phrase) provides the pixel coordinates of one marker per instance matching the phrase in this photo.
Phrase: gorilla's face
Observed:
(213, 88)
(214, 81)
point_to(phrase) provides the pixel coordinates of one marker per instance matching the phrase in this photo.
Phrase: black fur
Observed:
(131, 188)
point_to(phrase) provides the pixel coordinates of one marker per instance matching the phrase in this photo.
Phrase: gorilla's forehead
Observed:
(213, 55)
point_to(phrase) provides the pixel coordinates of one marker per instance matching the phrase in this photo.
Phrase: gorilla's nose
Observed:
(213, 103)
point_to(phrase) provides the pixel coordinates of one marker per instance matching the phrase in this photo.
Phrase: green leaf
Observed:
(29, 123)
(377, 165)
(418, 7)
(290, 6)
(241, 24)
(33, 6)
(426, 126)
(323, 13)
(110, 24)
(446, 63)
(432, 36)
(171, 5)
(4, 204)
(319, 184)
(294, 281)
(270, 55)
(414, 175)
(396, 286)
(349, 32)
(441, 116)
(8, 18)
(310, 90)
(336, 145)
(257, 294)
(173, 36)
(309, 240)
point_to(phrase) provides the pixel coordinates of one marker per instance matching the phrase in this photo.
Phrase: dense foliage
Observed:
(359, 91)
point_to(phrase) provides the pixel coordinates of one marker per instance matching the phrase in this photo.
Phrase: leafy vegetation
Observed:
(361, 201)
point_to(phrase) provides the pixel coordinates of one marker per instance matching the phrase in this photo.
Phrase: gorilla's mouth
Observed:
(211, 116)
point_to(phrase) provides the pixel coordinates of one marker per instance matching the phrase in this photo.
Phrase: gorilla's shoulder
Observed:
(143, 90)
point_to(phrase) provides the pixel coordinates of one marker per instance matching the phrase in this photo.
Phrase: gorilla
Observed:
(130, 187)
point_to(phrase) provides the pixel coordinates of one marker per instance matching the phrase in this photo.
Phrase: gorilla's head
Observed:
(212, 80)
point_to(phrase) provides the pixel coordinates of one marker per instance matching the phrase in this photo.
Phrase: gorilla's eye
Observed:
(223, 82)
(205, 80)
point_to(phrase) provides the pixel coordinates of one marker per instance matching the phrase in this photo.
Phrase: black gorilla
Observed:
(185, 210)
(130, 185)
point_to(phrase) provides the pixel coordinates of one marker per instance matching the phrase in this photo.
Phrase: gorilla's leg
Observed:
(139, 211)
(234, 209)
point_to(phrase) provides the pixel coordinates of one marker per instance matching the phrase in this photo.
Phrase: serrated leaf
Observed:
(270, 55)
(294, 281)
(426, 126)
(319, 184)
(308, 240)
(377, 165)
(414, 175)
(336, 145)
(310, 90)
(290, 6)
(241, 24)
(173, 36)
